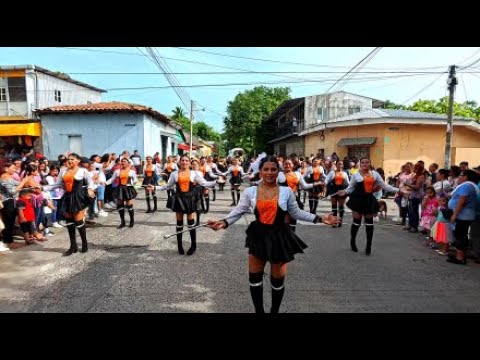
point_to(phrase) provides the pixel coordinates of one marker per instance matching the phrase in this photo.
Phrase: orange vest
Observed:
(184, 181)
(368, 183)
(267, 210)
(292, 180)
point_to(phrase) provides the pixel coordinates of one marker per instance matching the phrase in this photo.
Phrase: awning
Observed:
(32, 129)
(356, 141)
(186, 147)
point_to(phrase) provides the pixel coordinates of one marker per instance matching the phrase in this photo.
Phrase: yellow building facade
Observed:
(396, 143)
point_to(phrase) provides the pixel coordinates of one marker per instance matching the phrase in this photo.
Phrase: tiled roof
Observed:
(112, 106)
(356, 141)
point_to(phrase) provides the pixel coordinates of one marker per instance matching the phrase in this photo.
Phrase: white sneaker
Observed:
(3, 247)
(396, 219)
(102, 213)
(46, 231)
(376, 219)
(56, 225)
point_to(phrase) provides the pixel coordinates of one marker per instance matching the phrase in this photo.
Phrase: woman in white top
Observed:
(185, 199)
(362, 202)
(269, 238)
(336, 180)
(125, 192)
(75, 200)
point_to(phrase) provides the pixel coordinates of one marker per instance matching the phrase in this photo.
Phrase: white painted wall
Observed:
(105, 132)
(71, 94)
(337, 103)
(101, 133)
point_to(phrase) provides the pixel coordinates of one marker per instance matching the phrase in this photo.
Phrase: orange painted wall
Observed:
(399, 143)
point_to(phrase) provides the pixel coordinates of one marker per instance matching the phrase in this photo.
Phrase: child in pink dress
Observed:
(429, 210)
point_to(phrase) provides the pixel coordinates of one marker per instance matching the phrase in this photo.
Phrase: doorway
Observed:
(75, 144)
(358, 152)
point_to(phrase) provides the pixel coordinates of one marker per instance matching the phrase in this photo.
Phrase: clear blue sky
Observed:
(402, 88)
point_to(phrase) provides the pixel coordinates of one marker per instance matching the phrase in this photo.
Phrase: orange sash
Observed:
(316, 173)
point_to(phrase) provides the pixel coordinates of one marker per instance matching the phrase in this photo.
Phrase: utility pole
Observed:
(191, 128)
(452, 82)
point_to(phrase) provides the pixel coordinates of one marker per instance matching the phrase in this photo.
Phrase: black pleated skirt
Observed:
(124, 193)
(273, 243)
(364, 204)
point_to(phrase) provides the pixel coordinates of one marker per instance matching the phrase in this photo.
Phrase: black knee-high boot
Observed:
(369, 230)
(341, 211)
(121, 212)
(353, 233)
(335, 213)
(193, 237)
(315, 204)
(214, 194)
(238, 196)
(154, 203)
(80, 225)
(131, 212)
(233, 198)
(310, 205)
(71, 234)
(278, 289)
(149, 209)
(179, 237)
(256, 290)
(304, 196)
(198, 217)
(169, 195)
(207, 203)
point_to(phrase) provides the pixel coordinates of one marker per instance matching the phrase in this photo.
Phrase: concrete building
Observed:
(108, 127)
(26, 88)
(392, 137)
(294, 116)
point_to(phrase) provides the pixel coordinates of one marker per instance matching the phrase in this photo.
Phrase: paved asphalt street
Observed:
(136, 270)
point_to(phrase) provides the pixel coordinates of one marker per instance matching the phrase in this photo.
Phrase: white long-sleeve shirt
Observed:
(195, 176)
(132, 177)
(357, 178)
(301, 181)
(81, 174)
(286, 201)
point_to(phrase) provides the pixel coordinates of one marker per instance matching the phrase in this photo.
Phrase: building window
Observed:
(322, 114)
(17, 91)
(353, 109)
(3, 94)
(58, 96)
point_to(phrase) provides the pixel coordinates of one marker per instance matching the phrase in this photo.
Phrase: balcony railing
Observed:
(287, 129)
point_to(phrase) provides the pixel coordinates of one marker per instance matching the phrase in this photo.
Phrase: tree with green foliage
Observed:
(178, 114)
(205, 132)
(468, 109)
(244, 123)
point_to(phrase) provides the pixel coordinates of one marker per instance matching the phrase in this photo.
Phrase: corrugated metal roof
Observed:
(56, 74)
(397, 114)
(112, 106)
(356, 141)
